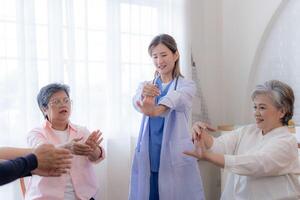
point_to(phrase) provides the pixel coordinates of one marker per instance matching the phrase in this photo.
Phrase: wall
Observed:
(243, 25)
(225, 36)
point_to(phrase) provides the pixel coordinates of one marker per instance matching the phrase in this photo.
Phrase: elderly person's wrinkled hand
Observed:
(200, 148)
(52, 161)
(94, 140)
(200, 127)
(77, 147)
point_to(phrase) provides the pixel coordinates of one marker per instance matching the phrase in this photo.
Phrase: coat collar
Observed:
(47, 125)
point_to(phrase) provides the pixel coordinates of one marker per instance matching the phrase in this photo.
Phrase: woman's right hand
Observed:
(150, 90)
(200, 130)
(77, 147)
(200, 148)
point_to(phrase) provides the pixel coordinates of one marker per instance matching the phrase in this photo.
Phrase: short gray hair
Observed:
(47, 91)
(281, 94)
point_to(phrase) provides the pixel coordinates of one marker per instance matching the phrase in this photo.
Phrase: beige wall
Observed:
(225, 36)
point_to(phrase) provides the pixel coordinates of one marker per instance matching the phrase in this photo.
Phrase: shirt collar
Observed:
(48, 125)
(276, 131)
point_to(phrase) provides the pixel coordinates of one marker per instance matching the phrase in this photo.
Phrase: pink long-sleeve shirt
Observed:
(82, 172)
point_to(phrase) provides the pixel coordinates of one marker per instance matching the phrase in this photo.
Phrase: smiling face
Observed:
(267, 116)
(164, 60)
(59, 108)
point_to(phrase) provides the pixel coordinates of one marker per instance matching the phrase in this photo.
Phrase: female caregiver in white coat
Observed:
(262, 158)
(160, 170)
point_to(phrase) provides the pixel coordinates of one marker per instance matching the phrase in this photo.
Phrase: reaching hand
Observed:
(51, 160)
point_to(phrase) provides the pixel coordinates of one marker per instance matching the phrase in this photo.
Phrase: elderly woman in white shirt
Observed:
(262, 159)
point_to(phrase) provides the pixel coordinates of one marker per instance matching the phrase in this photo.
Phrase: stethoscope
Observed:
(176, 81)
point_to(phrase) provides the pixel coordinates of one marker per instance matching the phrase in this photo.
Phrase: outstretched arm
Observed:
(11, 170)
(45, 160)
(7, 153)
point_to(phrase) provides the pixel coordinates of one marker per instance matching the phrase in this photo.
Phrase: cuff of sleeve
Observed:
(101, 156)
(169, 100)
(101, 152)
(31, 161)
(229, 161)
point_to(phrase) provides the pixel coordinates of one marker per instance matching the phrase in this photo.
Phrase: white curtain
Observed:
(278, 54)
(99, 48)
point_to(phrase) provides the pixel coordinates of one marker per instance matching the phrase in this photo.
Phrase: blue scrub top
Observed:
(156, 128)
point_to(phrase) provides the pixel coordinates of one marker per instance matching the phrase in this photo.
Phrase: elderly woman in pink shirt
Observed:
(80, 182)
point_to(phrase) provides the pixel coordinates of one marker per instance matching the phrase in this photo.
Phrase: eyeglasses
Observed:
(58, 102)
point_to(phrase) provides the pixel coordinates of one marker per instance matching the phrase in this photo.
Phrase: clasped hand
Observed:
(52, 161)
(87, 148)
(150, 90)
(201, 139)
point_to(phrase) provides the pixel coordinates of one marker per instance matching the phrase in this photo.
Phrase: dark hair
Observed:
(47, 91)
(281, 94)
(170, 43)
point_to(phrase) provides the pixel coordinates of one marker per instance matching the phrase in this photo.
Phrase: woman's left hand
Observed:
(77, 147)
(200, 149)
(94, 140)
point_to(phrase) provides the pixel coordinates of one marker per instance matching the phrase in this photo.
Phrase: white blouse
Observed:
(69, 188)
(259, 166)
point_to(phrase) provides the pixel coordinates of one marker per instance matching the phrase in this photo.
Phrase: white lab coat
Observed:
(259, 166)
(179, 175)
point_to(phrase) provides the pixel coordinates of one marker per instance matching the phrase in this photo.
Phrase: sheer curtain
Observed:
(99, 48)
(278, 54)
